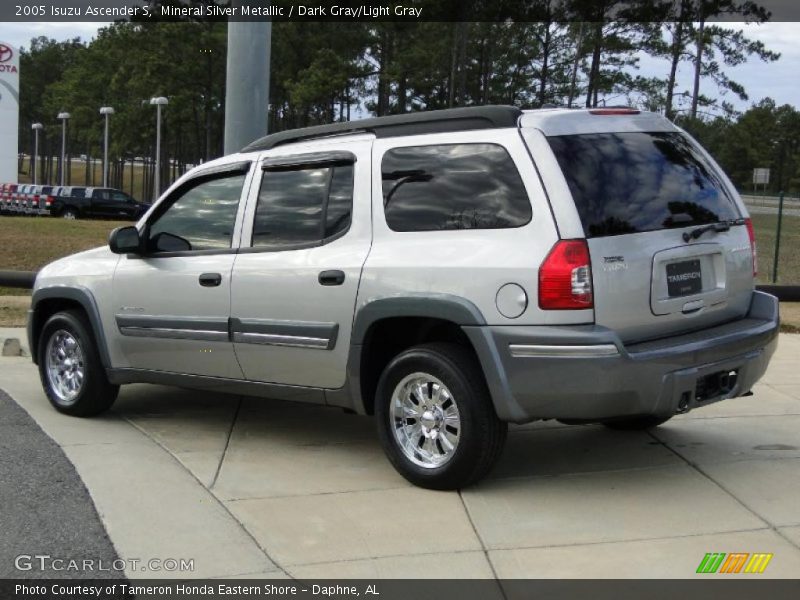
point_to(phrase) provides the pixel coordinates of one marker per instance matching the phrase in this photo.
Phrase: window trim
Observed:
(317, 160)
(204, 176)
(454, 143)
(299, 162)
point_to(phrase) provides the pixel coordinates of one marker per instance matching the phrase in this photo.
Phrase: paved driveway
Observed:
(260, 488)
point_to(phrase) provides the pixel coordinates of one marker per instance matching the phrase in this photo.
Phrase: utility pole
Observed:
(247, 81)
(35, 167)
(106, 111)
(158, 102)
(63, 117)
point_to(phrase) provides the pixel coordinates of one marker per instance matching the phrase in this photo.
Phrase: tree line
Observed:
(326, 71)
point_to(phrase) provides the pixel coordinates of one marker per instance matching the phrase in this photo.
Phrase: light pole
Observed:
(36, 128)
(106, 111)
(159, 102)
(63, 117)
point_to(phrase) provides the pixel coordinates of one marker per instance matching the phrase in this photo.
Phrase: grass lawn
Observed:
(765, 227)
(29, 243)
(78, 177)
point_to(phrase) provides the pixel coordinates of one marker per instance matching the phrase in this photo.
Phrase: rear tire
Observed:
(70, 214)
(435, 417)
(70, 368)
(636, 423)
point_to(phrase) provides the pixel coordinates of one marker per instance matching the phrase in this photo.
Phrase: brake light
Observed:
(48, 201)
(565, 277)
(752, 235)
(614, 111)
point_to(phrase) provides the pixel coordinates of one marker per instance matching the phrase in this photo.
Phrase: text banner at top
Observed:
(408, 10)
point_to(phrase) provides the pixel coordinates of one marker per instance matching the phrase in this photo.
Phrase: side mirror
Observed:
(169, 242)
(124, 240)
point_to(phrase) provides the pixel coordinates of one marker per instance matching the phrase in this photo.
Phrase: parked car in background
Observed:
(5, 198)
(94, 203)
(7, 191)
(30, 200)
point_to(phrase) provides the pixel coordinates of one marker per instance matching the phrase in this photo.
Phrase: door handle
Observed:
(210, 279)
(334, 277)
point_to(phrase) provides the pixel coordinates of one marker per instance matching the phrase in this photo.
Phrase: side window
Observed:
(453, 186)
(119, 197)
(340, 202)
(302, 207)
(201, 218)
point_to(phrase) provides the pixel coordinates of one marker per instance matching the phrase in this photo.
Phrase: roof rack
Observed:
(435, 121)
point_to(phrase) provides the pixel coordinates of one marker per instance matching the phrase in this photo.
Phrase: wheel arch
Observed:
(386, 326)
(50, 300)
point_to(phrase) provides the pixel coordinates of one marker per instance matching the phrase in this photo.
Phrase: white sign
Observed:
(761, 176)
(9, 112)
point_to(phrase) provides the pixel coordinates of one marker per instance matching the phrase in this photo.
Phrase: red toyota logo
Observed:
(6, 53)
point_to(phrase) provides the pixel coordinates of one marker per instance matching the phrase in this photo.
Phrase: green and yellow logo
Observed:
(735, 562)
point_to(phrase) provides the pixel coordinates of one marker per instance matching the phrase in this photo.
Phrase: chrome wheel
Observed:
(65, 368)
(69, 215)
(425, 420)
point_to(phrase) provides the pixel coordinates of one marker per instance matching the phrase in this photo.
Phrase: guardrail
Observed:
(25, 279)
(17, 279)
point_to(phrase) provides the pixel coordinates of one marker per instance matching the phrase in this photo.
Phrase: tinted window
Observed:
(632, 182)
(453, 186)
(204, 216)
(303, 206)
(340, 202)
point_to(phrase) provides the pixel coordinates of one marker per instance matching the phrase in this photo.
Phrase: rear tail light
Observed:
(48, 201)
(752, 235)
(565, 277)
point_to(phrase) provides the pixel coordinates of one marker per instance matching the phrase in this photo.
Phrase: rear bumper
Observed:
(586, 372)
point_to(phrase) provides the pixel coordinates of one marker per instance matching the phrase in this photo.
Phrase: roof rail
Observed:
(435, 121)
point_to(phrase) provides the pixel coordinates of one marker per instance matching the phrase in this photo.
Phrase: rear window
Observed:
(453, 186)
(633, 182)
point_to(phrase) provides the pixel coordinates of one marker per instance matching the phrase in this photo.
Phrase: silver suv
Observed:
(449, 272)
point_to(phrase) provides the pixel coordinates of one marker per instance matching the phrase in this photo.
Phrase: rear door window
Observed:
(453, 186)
(633, 182)
(302, 207)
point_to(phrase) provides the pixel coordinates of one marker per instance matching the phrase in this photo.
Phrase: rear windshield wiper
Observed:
(696, 233)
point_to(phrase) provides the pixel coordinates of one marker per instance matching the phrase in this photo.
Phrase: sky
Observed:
(779, 80)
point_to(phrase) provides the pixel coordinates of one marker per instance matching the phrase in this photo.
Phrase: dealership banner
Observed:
(9, 111)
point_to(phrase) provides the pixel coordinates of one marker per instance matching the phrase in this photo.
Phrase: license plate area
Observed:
(684, 278)
(715, 385)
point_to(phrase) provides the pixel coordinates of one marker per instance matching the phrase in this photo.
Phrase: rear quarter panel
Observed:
(471, 264)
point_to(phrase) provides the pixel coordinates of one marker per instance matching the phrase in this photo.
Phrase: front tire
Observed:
(435, 417)
(70, 368)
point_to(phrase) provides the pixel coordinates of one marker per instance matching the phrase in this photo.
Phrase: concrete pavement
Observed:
(273, 489)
